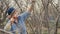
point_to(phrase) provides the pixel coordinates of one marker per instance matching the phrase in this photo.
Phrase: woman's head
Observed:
(12, 12)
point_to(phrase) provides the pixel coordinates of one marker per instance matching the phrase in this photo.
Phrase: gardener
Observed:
(16, 21)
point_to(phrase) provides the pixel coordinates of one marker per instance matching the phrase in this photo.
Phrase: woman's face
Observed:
(15, 15)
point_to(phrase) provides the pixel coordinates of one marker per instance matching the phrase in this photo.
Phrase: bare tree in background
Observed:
(44, 18)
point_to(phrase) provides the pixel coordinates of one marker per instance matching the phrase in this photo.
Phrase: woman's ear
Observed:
(9, 16)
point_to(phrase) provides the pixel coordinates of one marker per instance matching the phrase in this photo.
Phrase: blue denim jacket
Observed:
(21, 23)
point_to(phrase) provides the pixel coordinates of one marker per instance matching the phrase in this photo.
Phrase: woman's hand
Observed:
(12, 20)
(30, 7)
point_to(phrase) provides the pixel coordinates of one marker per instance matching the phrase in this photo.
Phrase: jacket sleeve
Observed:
(25, 15)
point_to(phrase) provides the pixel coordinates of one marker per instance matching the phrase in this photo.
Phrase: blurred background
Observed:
(45, 18)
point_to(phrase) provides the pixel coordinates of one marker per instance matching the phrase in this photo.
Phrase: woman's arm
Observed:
(29, 10)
